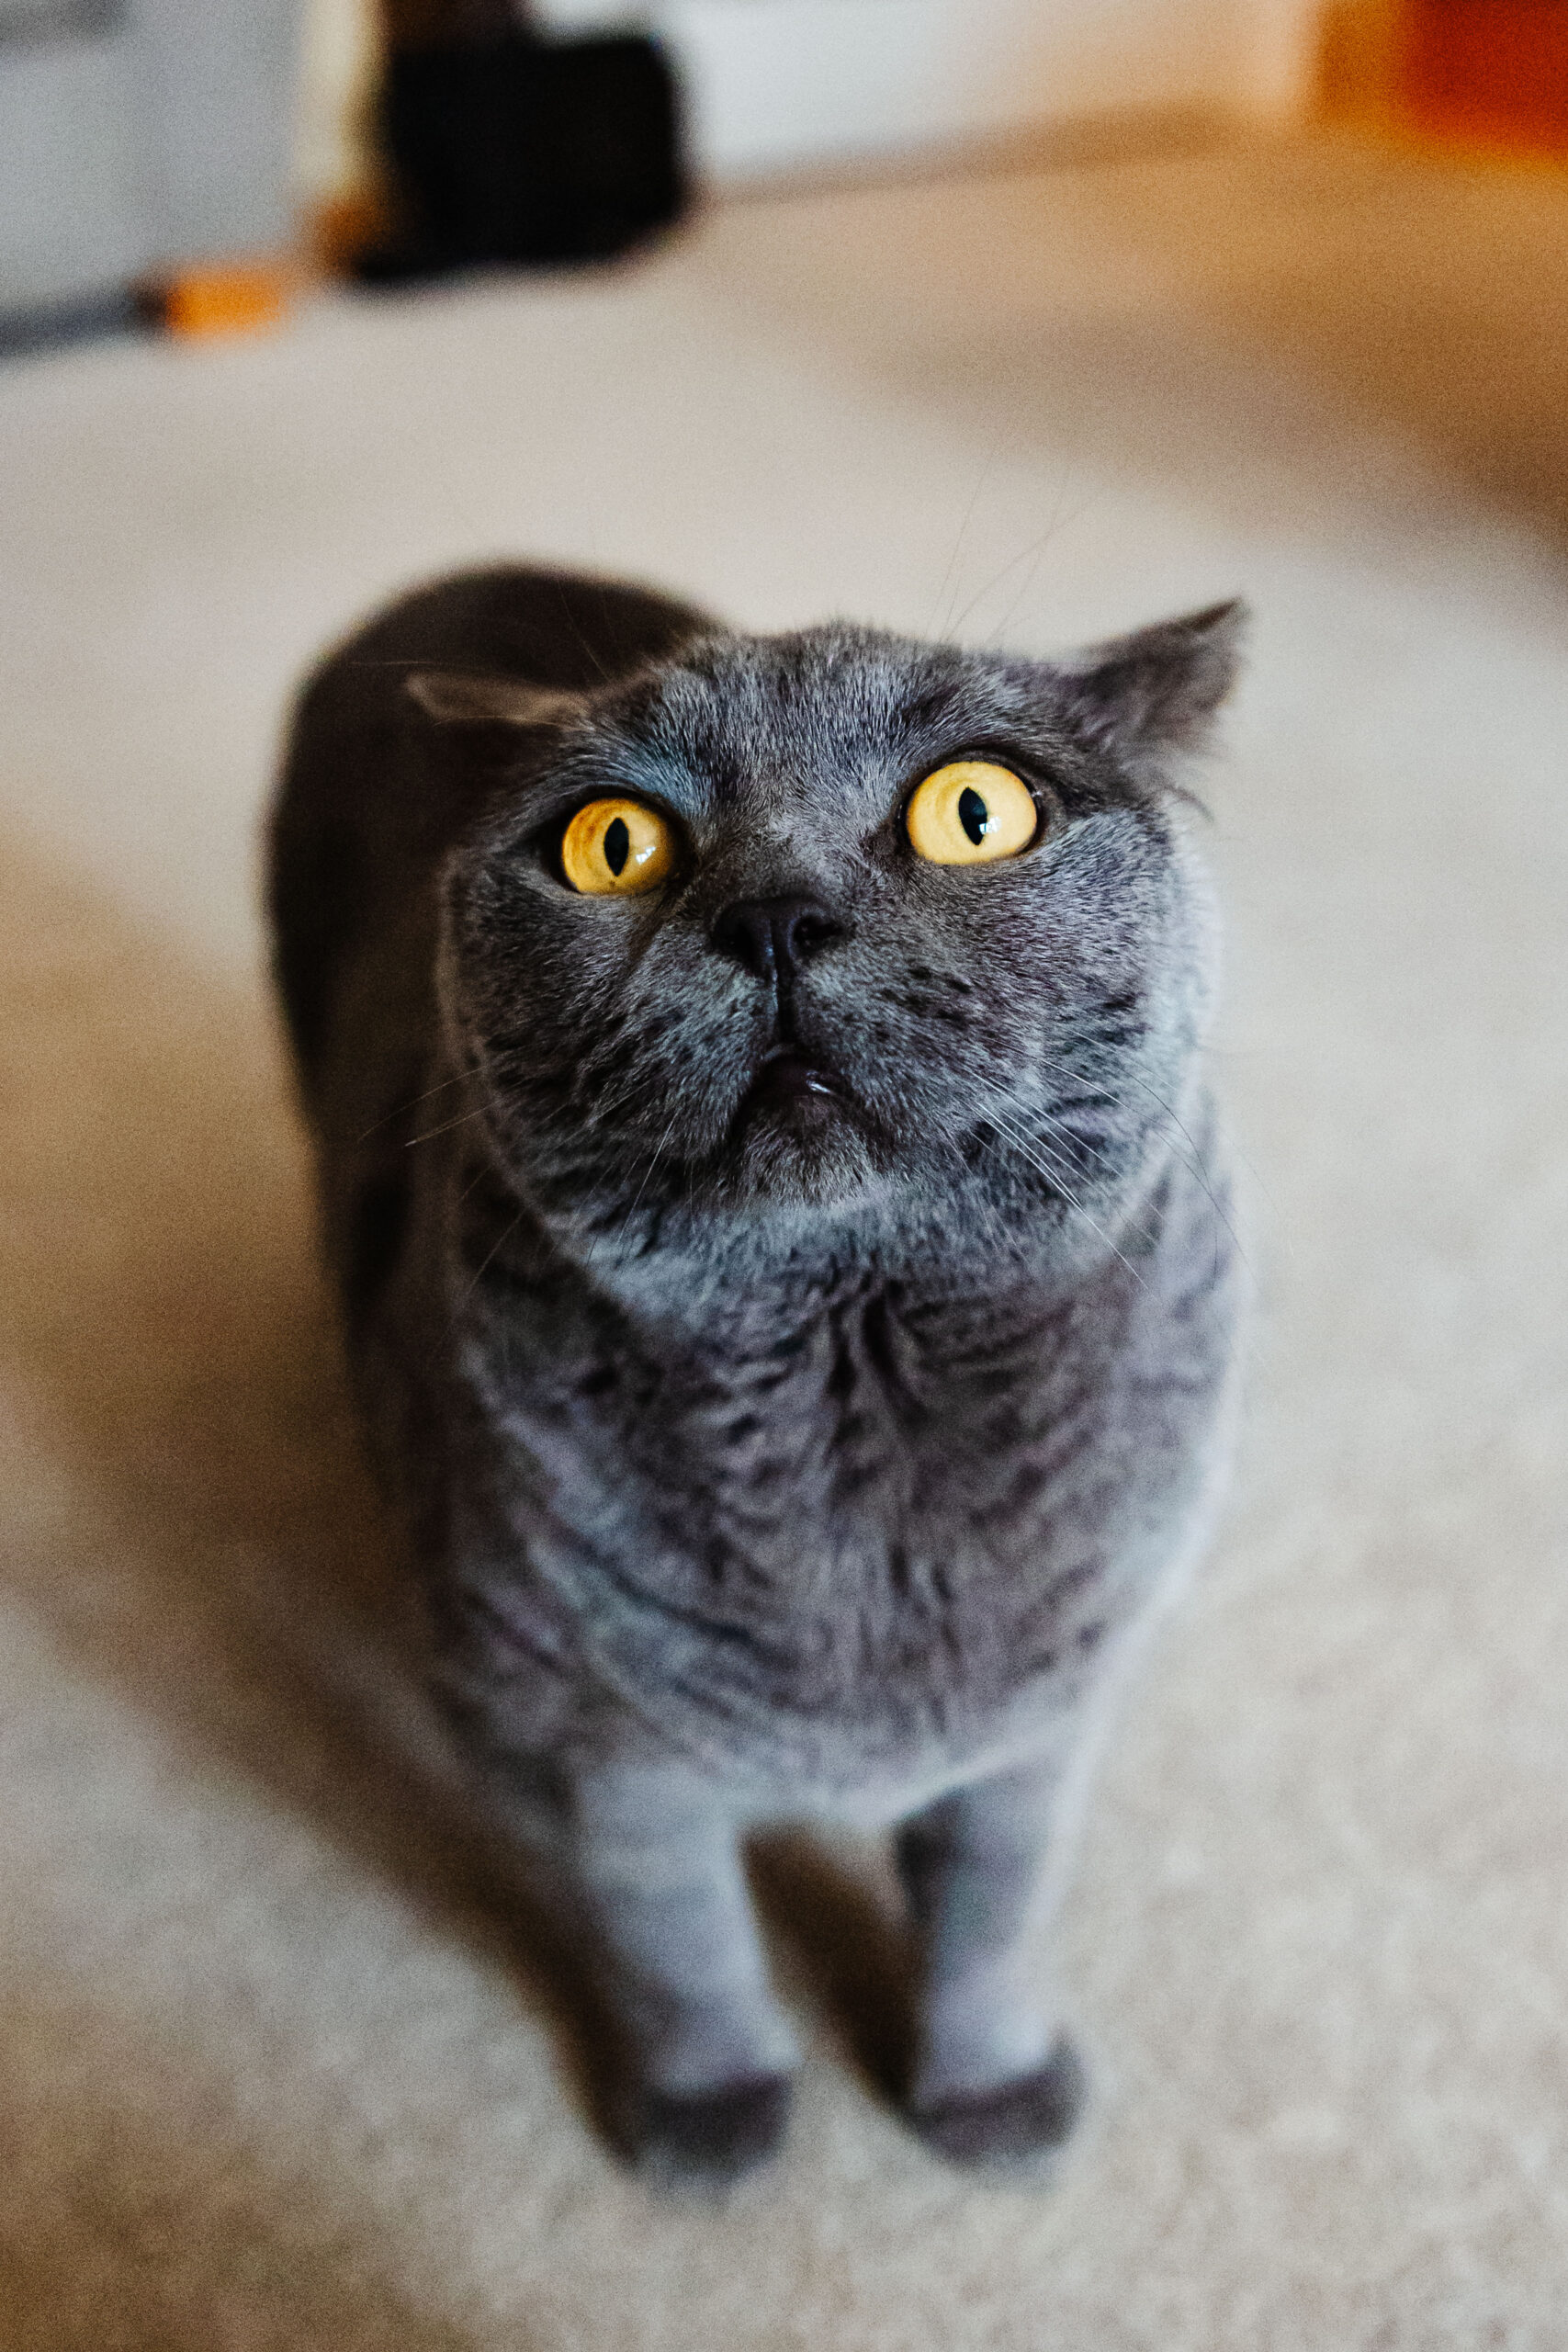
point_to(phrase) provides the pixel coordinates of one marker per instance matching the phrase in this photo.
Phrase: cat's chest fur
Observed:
(835, 1536)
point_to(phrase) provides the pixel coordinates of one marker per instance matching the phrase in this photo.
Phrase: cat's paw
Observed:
(1019, 2127)
(701, 2142)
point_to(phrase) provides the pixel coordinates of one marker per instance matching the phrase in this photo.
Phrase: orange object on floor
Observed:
(226, 298)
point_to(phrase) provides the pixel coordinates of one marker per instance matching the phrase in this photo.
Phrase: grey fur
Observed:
(816, 1460)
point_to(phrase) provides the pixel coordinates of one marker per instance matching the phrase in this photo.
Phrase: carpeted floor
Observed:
(277, 2067)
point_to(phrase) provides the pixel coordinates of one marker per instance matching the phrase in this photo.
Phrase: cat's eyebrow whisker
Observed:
(577, 631)
(398, 662)
(943, 598)
(1059, 523)
(1113, 481)
(1036, 548)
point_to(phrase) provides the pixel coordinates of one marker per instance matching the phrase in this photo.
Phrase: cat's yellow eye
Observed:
(970, 812)
(616, 848)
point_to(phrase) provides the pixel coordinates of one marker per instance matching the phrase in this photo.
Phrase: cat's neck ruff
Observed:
(744, 1290)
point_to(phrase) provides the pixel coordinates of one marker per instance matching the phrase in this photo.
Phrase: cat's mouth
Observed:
(790, 1085)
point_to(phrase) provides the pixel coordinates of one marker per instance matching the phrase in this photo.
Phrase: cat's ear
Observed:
(459, 698)
(1156, 694)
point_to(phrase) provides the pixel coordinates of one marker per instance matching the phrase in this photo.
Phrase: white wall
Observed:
(777, 83)
(337, 72)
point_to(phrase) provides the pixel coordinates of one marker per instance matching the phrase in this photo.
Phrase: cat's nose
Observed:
(774, 937)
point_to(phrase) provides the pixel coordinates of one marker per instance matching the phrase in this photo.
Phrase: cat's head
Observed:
(836, 944)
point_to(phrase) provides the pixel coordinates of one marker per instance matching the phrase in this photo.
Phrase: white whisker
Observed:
(431, 1133)
(1053, 1175)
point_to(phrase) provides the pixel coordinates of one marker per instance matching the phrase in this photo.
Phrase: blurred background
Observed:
(144, 143)
(1014, 321)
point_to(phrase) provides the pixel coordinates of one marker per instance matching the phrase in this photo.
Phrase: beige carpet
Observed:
(275, 2070)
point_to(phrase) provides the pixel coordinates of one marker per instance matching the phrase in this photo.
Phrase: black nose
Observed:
(774, 937)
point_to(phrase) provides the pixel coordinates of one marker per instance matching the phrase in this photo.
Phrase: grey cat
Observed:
(784, 1253)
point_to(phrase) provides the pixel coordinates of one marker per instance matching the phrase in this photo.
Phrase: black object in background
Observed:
(519, 149)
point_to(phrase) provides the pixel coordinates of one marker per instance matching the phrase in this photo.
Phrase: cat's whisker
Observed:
(1191, 1158)
(657, 1156)
(464, 1118)
(1080, 1144)
(1143, 1228)
(605, 1107)
(625, 1222)
(1047, 1159)
(1194, 1162)
(412, 1103)
(474, 1180)
(482, 1268)
(442, 1086)
(998, 1232)
(565, 1122)
(1053, 1175)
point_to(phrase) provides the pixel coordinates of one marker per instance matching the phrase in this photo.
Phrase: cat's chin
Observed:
(802, 1144)
(798, 1136)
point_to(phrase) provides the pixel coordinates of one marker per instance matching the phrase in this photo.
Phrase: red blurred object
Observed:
(1490, 70)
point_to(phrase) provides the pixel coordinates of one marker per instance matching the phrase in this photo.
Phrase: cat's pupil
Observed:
(618, 844)
(973, 815)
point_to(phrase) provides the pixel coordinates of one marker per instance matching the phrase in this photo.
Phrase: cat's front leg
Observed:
(992, 2083)
(655, 1860)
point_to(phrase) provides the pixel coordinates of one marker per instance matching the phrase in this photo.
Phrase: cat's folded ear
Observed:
(1155, 694)
(459, 698)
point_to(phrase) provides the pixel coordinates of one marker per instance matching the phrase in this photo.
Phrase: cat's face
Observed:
(838, 942)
